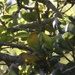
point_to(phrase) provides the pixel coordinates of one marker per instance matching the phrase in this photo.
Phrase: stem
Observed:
(38, 15)
(67, 58)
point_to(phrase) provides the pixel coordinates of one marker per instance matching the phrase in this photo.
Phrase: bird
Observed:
(33, 40)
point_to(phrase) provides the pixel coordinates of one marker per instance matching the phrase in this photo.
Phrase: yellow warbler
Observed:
(33, 40)
(30, 58)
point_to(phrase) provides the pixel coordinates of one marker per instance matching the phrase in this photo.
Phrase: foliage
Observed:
(40, 34)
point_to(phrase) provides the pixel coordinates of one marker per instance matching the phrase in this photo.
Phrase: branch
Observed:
(38, 15)
(31, 25)
(51, 6)
(69, 69)
(9, 59)
(16, 46)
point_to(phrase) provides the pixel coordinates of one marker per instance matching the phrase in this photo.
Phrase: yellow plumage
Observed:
(33, 40)
(30, 58)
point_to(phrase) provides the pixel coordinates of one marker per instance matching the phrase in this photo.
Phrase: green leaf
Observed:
(1, 28)
(22, 35)
(64, 44)
(25, 1)
(47, 41)
(29, 16)
(54, 39)
(67, 35)
(50, 28)
(58, 50)
(4, 37)
(1, 5)
(40, 39)
(72, 19)
(11, 72)
(12, 9)
(7, 17)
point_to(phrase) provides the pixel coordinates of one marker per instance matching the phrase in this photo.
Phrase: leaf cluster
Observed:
(41, 34)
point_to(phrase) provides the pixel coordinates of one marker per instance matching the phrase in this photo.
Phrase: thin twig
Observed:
(38, 15)
(31, 25)
(69, 69)
(51, 6)
(67, 58)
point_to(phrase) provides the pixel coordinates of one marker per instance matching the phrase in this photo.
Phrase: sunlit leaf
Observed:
(11, 9)
(22, 35)
(67, 35)
(1, 5)
(3, 1)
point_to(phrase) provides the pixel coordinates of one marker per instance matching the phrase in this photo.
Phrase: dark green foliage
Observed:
(55, 47)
